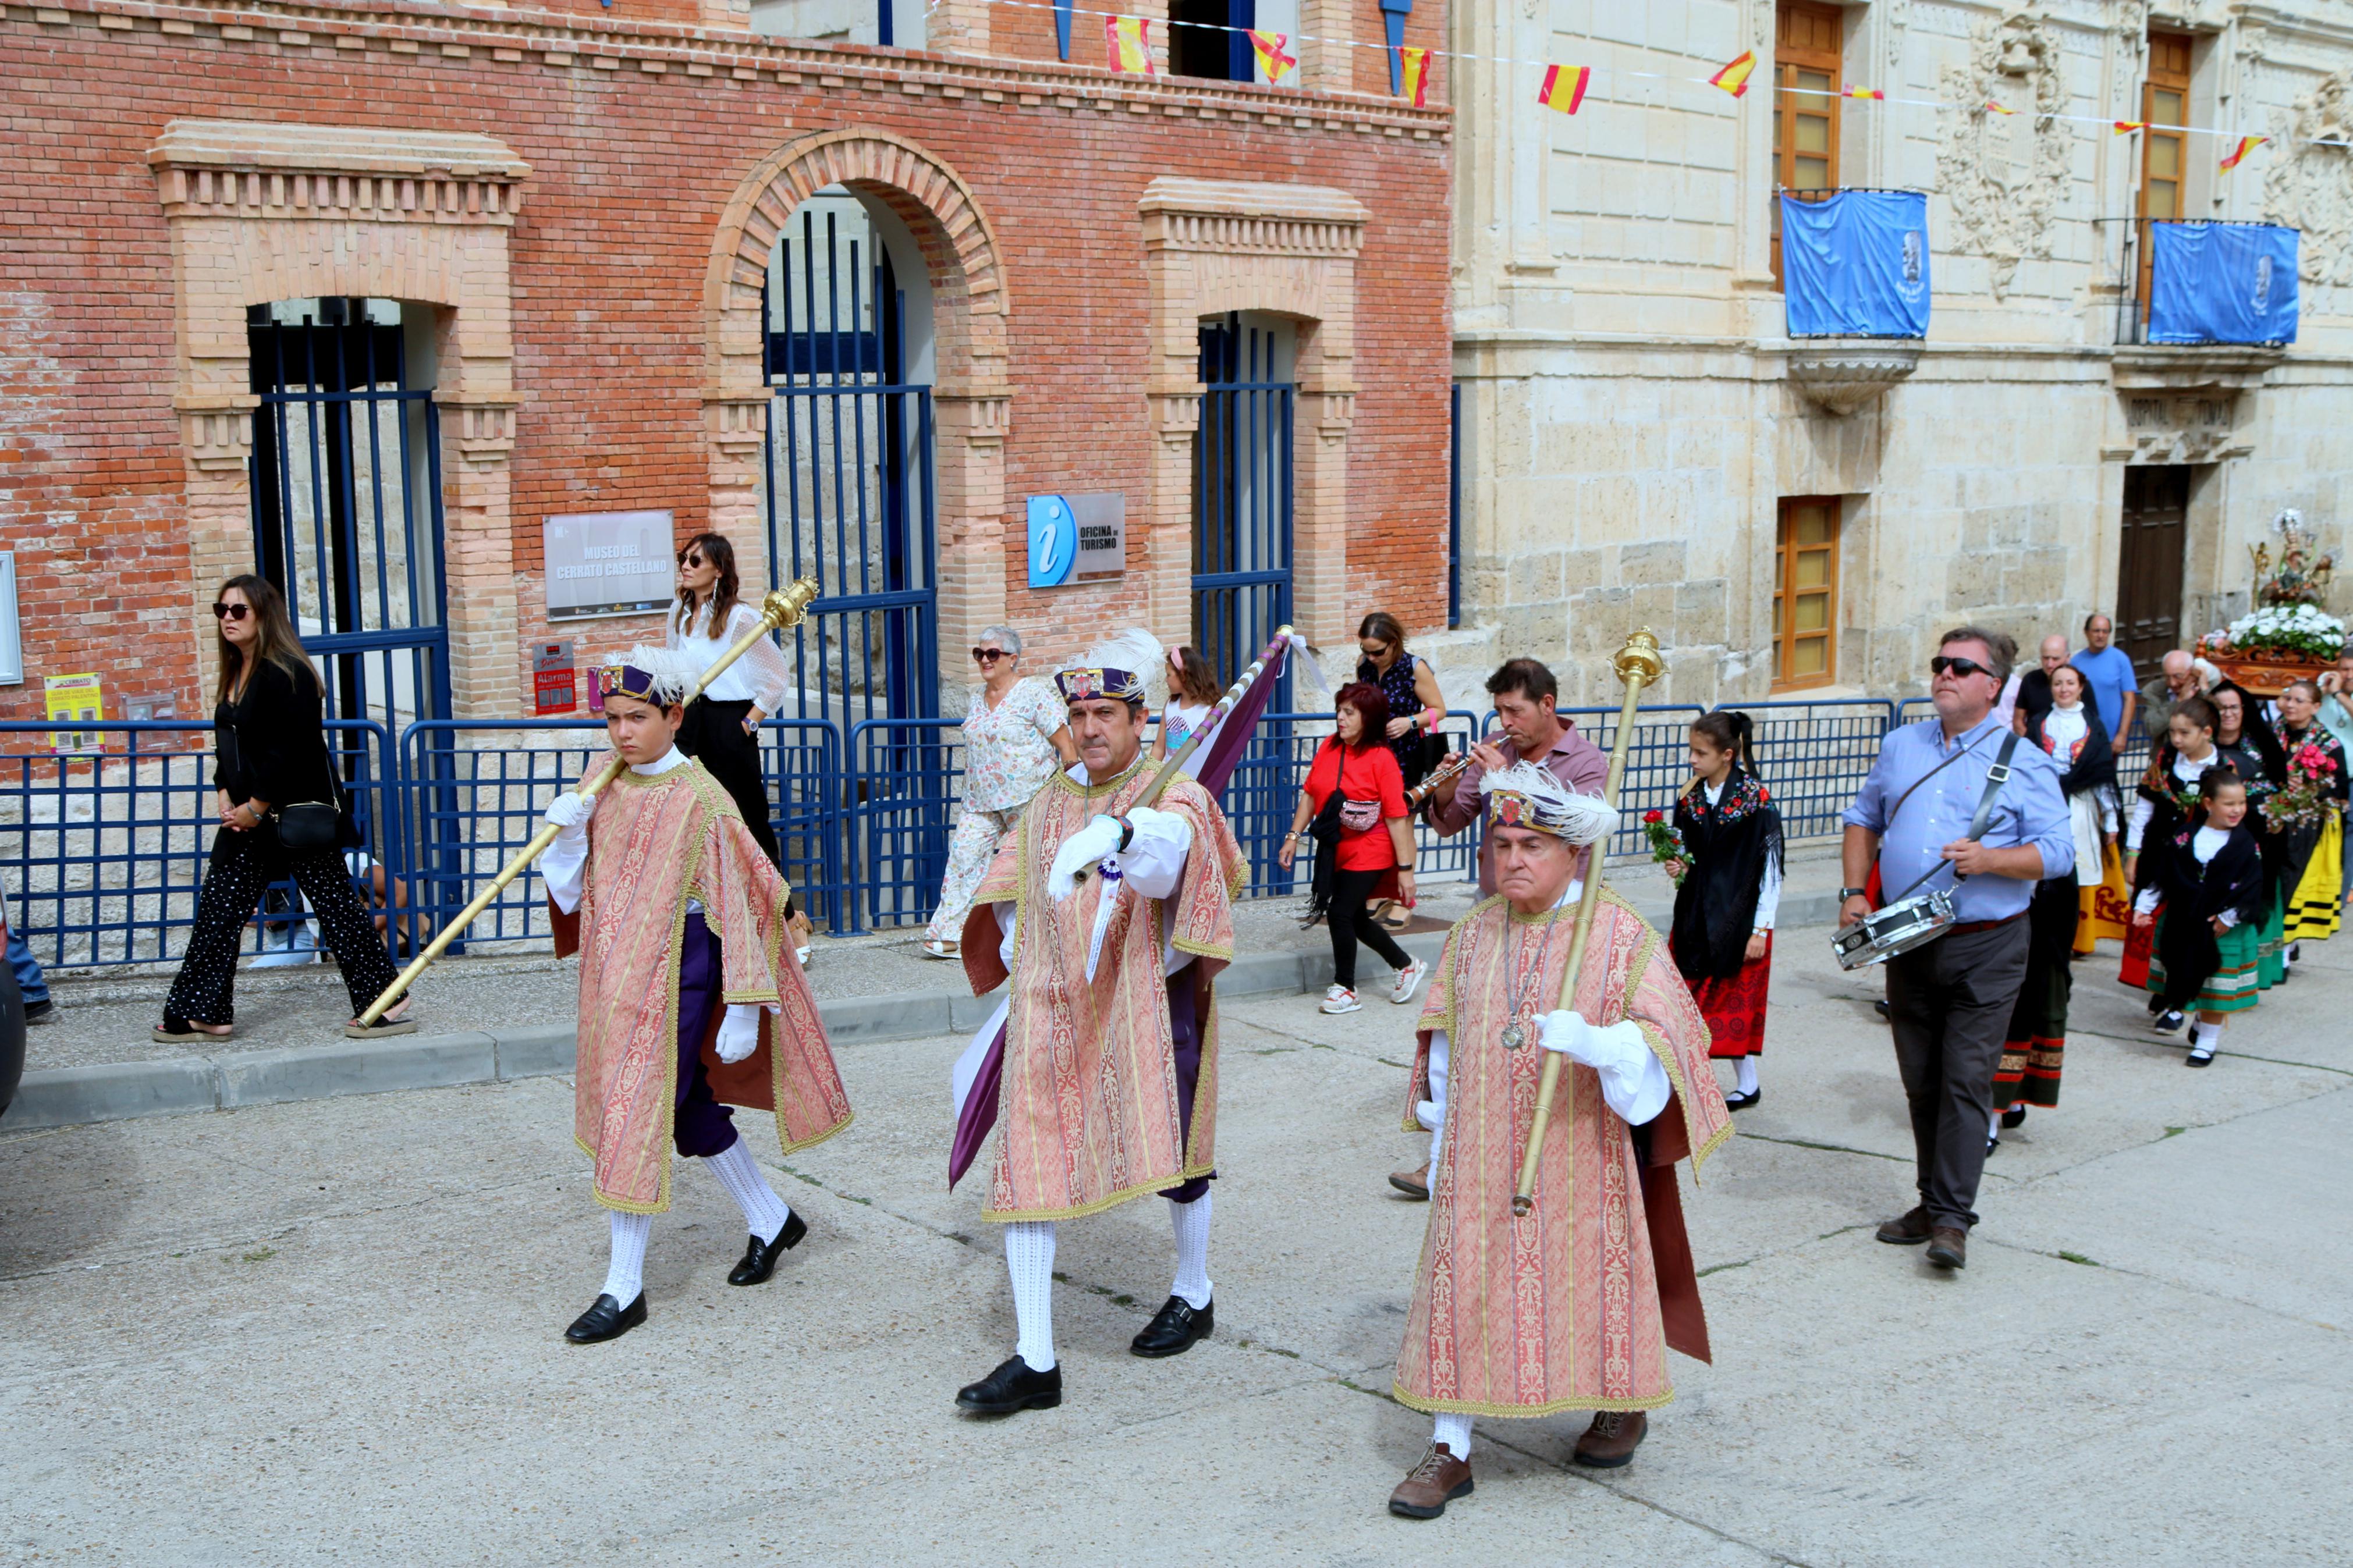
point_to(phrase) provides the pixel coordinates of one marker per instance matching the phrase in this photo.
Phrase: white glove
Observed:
(739, 1032)
(1082, 851)
(1633, 1084)
(1573, 1037)
(569, 810)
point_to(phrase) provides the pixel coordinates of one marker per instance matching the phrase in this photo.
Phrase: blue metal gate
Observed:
(850, 503)
(1241, 555)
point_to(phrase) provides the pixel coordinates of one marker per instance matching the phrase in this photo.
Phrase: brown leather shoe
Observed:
(1612, 1438)
(1909, 1229)
(1429, 1486)
(1949, 1248)
(1413, 1183)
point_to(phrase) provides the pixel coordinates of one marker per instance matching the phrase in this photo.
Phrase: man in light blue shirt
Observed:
(2108, 671)
(1950, 1001)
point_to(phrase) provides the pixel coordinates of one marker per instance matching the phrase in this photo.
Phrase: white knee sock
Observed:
(1029, 1258)
(1454, 1431)
(2207, 1037)
(1436, 1138)
(1745, 1076)
(624, 1279)
(1191, 1221)
(763, 1212)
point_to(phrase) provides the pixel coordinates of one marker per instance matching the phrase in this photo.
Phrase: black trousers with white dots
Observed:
(243, 865)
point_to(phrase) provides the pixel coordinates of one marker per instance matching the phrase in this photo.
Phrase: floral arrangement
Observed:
(1666, 841)
(2302, 631)
(2305, 798)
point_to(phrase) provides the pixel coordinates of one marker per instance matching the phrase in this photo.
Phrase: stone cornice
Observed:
(566, 40)
(1250, 217)
(236, 168)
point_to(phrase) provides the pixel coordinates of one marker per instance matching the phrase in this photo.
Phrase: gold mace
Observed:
(1638, 664)
(785, 607)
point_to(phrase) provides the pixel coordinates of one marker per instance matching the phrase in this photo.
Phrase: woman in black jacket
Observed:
(269, 752)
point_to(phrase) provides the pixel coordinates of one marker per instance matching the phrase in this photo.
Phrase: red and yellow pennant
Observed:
(1993, 108)
(2126, 127)
(2246, 145)
(1275, 60)
(1129, 42)
(1413, 75)
(1734, 78)
(1862, 92)
(1564, 87)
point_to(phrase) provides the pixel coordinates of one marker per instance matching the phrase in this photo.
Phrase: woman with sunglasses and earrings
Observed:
(723, 728)
(282, 815)
(1016, 733)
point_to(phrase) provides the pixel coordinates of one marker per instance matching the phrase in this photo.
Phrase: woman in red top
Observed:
(1355, 795)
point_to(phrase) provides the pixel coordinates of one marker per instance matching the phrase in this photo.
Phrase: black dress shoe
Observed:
(1174, 1329)
(1743, 1101)
(1011, 1388)
(1882, 1009)
(607, 1319)
(2014, 1117)
(760, 1256)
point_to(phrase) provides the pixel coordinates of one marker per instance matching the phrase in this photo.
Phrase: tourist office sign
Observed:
(609, 563)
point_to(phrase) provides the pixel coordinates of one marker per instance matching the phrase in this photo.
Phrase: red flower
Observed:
(1654, 814)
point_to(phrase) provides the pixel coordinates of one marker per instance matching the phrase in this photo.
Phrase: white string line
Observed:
(1614, 71)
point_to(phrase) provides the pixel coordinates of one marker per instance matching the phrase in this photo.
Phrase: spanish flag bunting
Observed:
(1275, 61)
(1129, 39)
(1564, 87)
(1413, 75)
(2246, 145)
(1734, 78)
(1993, 108)
(1864, 92)
(2126, 127)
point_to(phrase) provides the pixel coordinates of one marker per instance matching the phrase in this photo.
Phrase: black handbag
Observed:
(312, 827)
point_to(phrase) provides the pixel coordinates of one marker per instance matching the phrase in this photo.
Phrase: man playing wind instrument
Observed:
(689, 1001)
(1574, 1306)
(1112, 919)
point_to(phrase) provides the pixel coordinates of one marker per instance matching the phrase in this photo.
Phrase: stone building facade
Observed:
(1643, 444)
(567, 223)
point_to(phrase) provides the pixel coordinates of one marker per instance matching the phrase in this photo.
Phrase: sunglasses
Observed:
(231, 612)
(1942, 664)
(988, 655)
(690, 561)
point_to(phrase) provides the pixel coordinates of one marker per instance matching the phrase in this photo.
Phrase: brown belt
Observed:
(1968, 926)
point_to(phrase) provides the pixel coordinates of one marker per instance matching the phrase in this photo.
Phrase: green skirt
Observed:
(2235, 986)
(2271, 944)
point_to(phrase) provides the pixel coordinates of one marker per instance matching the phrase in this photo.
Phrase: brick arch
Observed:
(970, 392)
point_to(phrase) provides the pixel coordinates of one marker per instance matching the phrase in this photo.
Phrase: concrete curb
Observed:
(116, 1091)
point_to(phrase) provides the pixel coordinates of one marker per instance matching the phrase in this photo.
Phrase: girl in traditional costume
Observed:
(1728, 891)
(2248, 743)
(2307, 814)
(2167, 794)
(2208, 874)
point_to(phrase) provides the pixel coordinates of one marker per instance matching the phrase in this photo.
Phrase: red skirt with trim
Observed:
(1735, 1008)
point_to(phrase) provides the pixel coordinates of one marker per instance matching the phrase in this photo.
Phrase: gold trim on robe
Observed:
(1087, 1114)
(1563, 1310)
(654, 844)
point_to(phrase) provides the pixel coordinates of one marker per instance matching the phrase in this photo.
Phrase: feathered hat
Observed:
(1526, 796)
(658, 674)
(1122, 666)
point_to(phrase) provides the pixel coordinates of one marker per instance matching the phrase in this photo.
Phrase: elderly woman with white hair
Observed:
(1014, 736)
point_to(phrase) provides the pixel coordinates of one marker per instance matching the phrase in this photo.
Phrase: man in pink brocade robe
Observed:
(689, 1001)
(1575, 1306)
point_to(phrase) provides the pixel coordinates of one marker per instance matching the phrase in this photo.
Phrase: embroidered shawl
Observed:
(1087, 1111)
(653, 845)
(1573, 1308)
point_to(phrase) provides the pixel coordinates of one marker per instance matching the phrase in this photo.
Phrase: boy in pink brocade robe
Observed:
(689, 999)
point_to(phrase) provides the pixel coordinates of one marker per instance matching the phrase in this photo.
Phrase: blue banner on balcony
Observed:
(1856, 265)
(2221, 283)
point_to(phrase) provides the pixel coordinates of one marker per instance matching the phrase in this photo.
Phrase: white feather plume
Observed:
(1581, 819)
(1304, 664)
(674, 671)
(1134, 650)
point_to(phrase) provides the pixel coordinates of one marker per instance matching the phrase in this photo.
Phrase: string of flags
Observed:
(1566, 89)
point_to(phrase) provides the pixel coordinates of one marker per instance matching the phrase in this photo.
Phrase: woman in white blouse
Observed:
(722, 730)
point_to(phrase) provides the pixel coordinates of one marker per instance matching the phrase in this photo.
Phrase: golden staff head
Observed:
(786, 605)
(1640, 657)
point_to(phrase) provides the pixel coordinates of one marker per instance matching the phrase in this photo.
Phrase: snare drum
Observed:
(1899, 928)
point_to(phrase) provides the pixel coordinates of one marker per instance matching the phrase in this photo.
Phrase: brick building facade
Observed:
(569, 218)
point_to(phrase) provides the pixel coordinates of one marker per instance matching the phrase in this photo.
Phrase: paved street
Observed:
(330, 1331)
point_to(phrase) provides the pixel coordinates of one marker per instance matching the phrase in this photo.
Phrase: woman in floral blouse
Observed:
(1015, 734)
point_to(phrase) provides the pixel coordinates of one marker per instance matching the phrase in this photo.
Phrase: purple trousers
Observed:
(1184, 1025)
(703, 1127)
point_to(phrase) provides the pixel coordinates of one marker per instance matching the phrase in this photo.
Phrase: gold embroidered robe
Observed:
(1087, 1110)
(1574, 1306)
(653, 845)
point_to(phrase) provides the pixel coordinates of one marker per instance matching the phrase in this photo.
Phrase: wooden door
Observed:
(1805, 593)
(2148, 571)
(1807, 73)
(2164, 154)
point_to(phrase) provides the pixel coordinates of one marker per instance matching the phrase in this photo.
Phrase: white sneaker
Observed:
(1408, 981)
(1340, 999)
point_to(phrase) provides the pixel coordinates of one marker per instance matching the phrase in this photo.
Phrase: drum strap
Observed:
(1996, 777)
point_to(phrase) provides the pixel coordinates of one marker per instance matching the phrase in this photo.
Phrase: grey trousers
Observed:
(1950, 1003)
